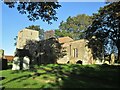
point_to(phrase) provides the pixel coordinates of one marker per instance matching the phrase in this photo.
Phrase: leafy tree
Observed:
(34, 27)
(62, 33)
(44, 52)
(75, 26)
(36, 10)
(15, 40)
(106, 25)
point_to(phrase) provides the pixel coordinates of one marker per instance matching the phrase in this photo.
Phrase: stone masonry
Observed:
(76, 52)
(26, 35)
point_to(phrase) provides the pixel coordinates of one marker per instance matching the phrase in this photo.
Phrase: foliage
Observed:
(96, 46)
(62, 33)
(105, 26)
(36, 10)
(34, 27)
(63, 76)
(74, 26)
(45, 51)
(15, 40)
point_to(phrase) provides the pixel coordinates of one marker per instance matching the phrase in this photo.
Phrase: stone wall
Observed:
(26, 35)
(77, 51)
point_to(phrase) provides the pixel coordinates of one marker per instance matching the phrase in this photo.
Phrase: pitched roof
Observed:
(65, 39)
(9, 57)
(50, 31)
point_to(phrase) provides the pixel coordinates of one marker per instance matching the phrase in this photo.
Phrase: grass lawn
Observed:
(63, 76)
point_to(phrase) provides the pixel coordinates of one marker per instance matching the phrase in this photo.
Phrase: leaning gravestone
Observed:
(16, 63)
(26, 62)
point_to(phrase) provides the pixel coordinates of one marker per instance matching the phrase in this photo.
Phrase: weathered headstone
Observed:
(16, 63)
(106, 62)
(98, 61)
(3, 64)
(112, 58)
(1, 53)
(26, 62)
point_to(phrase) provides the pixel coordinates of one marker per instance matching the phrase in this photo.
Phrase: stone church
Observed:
(76, 51)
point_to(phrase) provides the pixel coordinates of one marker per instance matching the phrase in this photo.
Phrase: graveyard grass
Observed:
(63, 76)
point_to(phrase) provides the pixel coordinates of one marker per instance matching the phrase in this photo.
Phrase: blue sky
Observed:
(13, 22)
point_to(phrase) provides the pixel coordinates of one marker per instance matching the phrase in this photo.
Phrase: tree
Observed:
(34, 27)
(62, 33)
(45, 51)
(36, 10)
(106, 25)
(15, 40)
(75, 26)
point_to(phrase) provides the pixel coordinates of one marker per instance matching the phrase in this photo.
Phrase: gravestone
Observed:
(26, 62)
(3, 64)
(16, 63)
(112, 58)
(1, 53)
(106, 62)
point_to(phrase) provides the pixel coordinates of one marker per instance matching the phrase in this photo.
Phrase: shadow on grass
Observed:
(2, 78)
(20, 77)
(76, 76)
